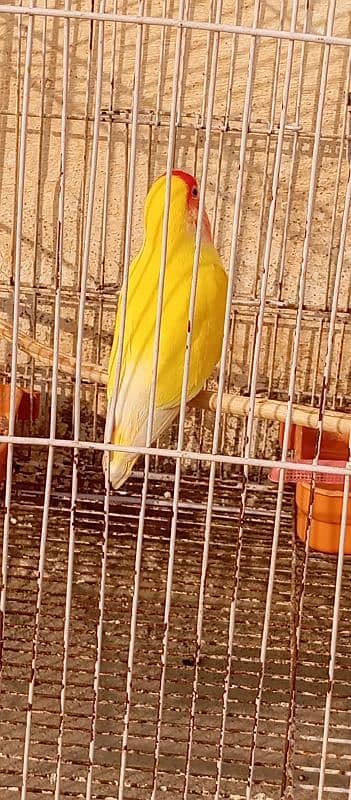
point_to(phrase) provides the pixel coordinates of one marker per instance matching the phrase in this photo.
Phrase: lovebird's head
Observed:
(183, 211)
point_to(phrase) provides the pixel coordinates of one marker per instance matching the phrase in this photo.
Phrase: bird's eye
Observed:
(194, 191)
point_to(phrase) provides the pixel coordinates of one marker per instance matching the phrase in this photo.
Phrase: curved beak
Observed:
(194, 212)
(206, 227)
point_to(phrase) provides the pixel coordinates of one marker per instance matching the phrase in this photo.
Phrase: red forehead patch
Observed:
(188, 179)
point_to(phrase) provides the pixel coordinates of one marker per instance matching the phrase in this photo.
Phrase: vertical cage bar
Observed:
(260, 319)
(160, 67)
(334, 634)
(155, 117)
(17, 143)
(265, 187)
(40, 149)
(104, 545)
(105, 211)
(207, 71)
(88, 94)
(16, 302)
(216, 219)
(299, 93)
(235, 231)
(76, 415)
(33, 320)
(326, 380)
(183, 14)
(138, 554)
(327, 368)
(112, 405)
(341, 155)
(182, 411)
(199, 127)
(53, 412)
(302, 282)
(128, 228)
(198, 130)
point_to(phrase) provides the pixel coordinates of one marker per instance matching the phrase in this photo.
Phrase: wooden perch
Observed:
(272, 410)
(276, 411)
(45, 356)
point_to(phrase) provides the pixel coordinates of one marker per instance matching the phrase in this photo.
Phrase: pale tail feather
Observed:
(130, 426)
(121, 464)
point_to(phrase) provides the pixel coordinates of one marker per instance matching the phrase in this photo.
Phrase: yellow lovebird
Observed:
(131, 413)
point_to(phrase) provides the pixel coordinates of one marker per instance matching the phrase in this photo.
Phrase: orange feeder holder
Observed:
(328, 492)
(26, 405)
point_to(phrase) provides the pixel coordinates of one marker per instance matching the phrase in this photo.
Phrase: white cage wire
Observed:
(173, 638)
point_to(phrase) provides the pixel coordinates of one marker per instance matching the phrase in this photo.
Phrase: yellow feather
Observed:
(137, 358)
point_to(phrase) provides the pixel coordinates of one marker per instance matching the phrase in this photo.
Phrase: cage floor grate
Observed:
(312, 674)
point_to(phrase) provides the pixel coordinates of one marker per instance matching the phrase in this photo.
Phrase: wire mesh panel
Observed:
(173, 637)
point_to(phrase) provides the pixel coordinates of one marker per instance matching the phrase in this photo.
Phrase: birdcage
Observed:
(177, 637)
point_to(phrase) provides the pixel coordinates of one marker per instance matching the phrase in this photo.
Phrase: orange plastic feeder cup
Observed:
(326, 518)
(328, 494)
